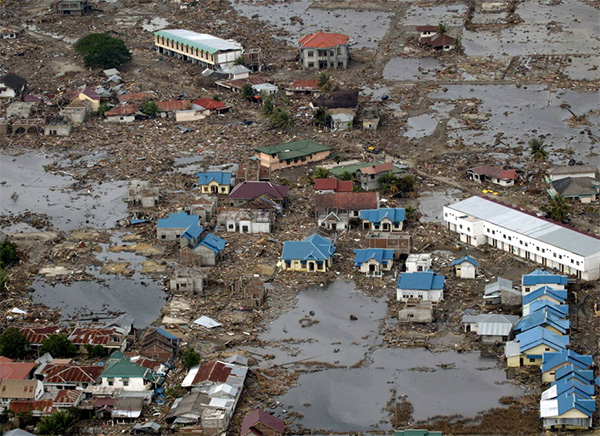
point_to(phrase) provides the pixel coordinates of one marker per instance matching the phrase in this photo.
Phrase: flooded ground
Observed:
(26, 187)
(421, 126)
(412, 69)
(451, 15)
(365, 28)
(327, 399)
(518, 114)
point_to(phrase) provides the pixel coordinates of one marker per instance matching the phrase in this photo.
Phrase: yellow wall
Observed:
(297, 266)
(221, 189)
(95, 104)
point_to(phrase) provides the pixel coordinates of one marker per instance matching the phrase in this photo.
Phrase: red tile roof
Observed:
(127, 109)
(68, 396)
(251, 190)
(15, 370)
(147, 363)
(92, 336)
(347, 201)
(334, 185)
(72, 374)
(324, 40)
(427, 28)
(174, 105)
(308, 83)
(209, 103)
(259, 416)
(252, 80)
(438, 41)
(498, 173)
(379, 168)
(212, 371)
(135, 96)
(35, 335)
(24, 406)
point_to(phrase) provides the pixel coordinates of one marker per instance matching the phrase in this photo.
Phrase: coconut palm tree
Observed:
(442, 29)
(324, 82)
(57, 424)
(321, 173)
(322, 116)
(281, 118)
(346, 175)
(537, 149)
(558, 208)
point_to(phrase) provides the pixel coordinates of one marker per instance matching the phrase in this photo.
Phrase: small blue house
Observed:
(560, 310)
(568, 411)
(374, 261)
(171, 228)
(215, 182)
(313, 254)
(424, 285)
(465, 267)
(200, 248)
(529, 347)
(383, 220)
(552, 362)
(540, 278)
(571, 371)
(555, 296)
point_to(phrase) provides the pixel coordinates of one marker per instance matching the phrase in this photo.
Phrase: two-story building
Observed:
(480, 221)
(291, 154)
(335, 211)
(322, 50)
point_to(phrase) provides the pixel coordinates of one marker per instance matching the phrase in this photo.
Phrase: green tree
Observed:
(95, 350)
(8, 254)
(321, 173)
(537, 149)
(239, 61)
(58, 424)
(558, 208)
(216, 97)
(268, 105)
(281, 118)
(58, 346)
(442, 29)
(346, 175)
(324, 82)
(412, 213)
(102, 50)
(102, 109)
(149, 108)
(190, 358)
(3, 278)
(13, 343)
(322, 116)
(247, 91)
(406, 183)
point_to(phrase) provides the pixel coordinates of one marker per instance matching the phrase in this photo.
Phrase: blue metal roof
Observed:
(213, 242)
(539, 277)
(572, 371)
(539, 335)
(167, 335)
(220, 177)
(571, 401)
(542, 318)
(422, 280)
(315, 247)
(193, 232)
(179, 220)
(464, 259)
(376, 215)
(381, 255)
(559, 295)
(552, 360)
(569, 386)
(560, 310)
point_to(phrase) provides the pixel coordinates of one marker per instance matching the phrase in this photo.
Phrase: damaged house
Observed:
(259, 195)
(203, 206)
(200, 248)
(335, 211)
(141, 193)
(245, 221)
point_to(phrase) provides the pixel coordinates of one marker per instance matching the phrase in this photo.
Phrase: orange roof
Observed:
(68, 396)
(15, 370)
(209, 103)
(308, 83)
(92, 336)
(127, 109)
(173, 105)
(24, 406)
(379, 168)
(35, 335)
(333, 185)
(324, 40)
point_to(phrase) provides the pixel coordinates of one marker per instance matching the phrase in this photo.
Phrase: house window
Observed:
(163, 236)
(311, 54)
(111, 382)
(125, 382)
(532, 359)
(311, 65)
(460, 226)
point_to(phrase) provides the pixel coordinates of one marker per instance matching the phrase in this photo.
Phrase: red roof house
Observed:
(346, 201)
(493, 174)
(173, 105)
(72, 375)
(36, 335)
(10, 370)
(216, 372)
(259, 423)
(210, 104)
(118, 111)
(324, 40)
(325, 186)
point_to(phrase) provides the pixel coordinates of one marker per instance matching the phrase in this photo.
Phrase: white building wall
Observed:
(134, 384)
(478, 232)
(467, 270)
(433, 295)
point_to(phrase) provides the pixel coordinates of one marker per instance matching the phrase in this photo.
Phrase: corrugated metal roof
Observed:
(525, 224)
(395, 215)
(421, 280)
(381, 255)
(201, 41)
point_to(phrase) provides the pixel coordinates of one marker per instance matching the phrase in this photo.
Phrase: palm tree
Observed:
(346, 175)
(558, 208)
(324, 82)
(322, 116)
(442, 29)
(537, 149)
(321, 173)
(281, 118)
(268, 106)
(57, 424)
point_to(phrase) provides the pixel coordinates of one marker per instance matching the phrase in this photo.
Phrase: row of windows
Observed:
(185, 48)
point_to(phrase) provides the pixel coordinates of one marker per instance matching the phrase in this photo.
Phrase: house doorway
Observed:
(311, 266)
(213, 189)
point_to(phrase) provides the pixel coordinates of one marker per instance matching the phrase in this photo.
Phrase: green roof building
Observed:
(122, 373)
(291, 154)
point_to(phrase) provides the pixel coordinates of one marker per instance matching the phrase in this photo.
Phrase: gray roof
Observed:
(576, 169)
(201, 41)
(499, 285)
(18, 432)
(512, 348)
(527, 225)
(492, 324)
(576, 186)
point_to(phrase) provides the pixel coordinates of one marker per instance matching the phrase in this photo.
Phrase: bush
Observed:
(8, 254)
(190, 358)
(149, 108)
(13, 343)
(102, 50)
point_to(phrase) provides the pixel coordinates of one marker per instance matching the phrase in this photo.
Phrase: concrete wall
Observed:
(415, 314)
(465, 270)
(309, 266)
(324, 58)
(407, 294)
(273, 163)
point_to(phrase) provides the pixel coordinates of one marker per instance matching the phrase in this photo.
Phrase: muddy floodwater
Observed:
(353, 394)
(26, 187)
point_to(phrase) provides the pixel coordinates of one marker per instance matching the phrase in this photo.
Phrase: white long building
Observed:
(199, 48)
(480, 221)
